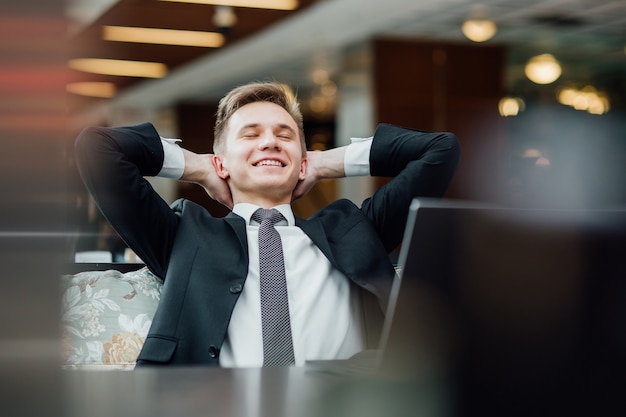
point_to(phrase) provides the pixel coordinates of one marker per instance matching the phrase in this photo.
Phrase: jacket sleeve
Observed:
(112, 163)
(420, 163)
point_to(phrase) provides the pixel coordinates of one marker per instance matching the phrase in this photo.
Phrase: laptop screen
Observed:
(512, 307)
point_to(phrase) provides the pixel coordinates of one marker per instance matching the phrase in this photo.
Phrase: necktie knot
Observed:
(272, 216)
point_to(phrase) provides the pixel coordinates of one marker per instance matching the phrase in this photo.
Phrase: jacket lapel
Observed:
(315, 231)
(313, 228)
(238, 224)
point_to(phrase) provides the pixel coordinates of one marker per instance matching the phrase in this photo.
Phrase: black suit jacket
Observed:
(204, 259)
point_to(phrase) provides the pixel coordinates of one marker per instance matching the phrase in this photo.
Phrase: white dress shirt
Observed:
(324, 306)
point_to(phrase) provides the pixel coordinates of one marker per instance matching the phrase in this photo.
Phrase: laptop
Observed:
(507, 303)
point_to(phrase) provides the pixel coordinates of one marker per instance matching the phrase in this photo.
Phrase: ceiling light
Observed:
(224, 17)
(92, 89)
(257, 4)
(478, 27)
(119, 67)
(543, 69)
(479, 30)
(162, 36)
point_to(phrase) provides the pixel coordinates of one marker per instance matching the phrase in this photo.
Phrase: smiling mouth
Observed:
(270, 163)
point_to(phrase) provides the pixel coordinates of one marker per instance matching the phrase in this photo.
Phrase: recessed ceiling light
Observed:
(257, 4)
(119, 67)
(162, 36)
(92, 89)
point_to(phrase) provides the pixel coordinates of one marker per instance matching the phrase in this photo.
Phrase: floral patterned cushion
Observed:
(106, 316)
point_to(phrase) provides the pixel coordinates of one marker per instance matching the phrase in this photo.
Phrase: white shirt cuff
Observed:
(174, 160)
(356, 161)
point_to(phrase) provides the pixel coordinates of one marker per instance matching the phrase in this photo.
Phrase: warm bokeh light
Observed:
(543, 69)
(532, 153)
(92, 89)
(162, 36)
(479, 30)
(257, 4)
(537, 155)
(318, 104)
(320, 76)
(119, 67)
(542, 162)
(329, 88)
(510, 106)
(587, 99)
(478, 26)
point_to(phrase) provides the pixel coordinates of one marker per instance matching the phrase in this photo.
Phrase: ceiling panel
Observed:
(88, 42)
(588, 35)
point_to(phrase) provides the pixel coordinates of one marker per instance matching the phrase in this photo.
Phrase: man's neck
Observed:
(262, 201)
(246, 210)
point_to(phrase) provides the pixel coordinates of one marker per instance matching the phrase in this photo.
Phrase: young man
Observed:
(334, 262)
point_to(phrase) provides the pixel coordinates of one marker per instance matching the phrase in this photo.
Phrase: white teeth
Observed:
(268, 162)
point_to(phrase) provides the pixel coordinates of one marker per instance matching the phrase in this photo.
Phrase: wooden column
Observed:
(448, 87)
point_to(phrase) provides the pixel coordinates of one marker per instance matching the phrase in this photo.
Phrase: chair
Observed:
(106, 314)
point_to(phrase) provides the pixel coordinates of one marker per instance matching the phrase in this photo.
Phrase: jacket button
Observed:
(213, 351)
(236, 288)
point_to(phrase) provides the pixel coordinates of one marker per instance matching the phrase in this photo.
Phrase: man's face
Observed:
(262, 153)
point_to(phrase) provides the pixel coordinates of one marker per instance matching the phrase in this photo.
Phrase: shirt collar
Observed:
(246, 210)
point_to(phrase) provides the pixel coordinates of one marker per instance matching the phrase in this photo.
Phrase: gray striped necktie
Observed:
(277, 341)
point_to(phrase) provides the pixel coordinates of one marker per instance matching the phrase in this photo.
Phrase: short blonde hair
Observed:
(272, 92)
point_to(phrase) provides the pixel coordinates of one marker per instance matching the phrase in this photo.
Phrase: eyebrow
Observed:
(286, 127)
(281, 126)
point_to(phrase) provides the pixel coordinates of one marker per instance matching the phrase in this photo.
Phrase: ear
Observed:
(220, 169)
(303, 166)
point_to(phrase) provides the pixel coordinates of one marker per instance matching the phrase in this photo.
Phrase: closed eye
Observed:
(286, 134)
(284, 131)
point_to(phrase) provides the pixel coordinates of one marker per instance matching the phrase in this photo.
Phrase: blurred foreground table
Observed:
(275, 392)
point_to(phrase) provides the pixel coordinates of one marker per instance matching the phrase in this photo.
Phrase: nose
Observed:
(269, 141)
